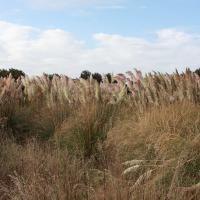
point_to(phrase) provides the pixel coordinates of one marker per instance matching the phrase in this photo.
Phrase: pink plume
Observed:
(129, 83)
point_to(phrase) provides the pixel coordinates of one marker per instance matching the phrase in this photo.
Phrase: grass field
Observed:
(135, 139)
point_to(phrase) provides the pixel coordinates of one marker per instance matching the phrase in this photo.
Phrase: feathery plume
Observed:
(168, 77)
(77, 81)
(71, 84)
(122, 94)
(67, 94)
(156, 83)
(84, 95)
(122, 76)
(133, 162)
(25, 80)
(120, 81)
(131, 169)
(133, 78)
(63, 79)
(146, 176)
(85, 83)
(40, 84)
(150, 95)
(97, 90)
(112, 78)
(91, 79)
(134, 91)
(163, 83)
(138, 74)
(129, 83)
(46, 81)
(173, 85)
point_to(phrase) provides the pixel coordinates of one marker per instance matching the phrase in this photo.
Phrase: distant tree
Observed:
(15, 73)
(197, 71)
(108, 76)
(50, 76)
(97, 77)
(3, 73)
(85, 74)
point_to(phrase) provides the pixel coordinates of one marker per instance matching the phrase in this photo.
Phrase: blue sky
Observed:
(69, 36)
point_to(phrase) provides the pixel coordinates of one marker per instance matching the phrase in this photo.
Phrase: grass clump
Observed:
(83, 132)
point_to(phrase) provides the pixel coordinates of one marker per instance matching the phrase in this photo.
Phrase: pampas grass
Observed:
(135, 138)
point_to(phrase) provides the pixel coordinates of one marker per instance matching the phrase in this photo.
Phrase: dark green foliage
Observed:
(197, 71)
(21, 123)
(50, 76)
(85, 74)
(4, 72)
(108, 76)
(97, 77)
(15, 73)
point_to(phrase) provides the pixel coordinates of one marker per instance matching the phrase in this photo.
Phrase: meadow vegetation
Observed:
(132, 137)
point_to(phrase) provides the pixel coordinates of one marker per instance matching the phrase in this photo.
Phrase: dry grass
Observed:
(84, 140)
(35, 172)
(166, 140)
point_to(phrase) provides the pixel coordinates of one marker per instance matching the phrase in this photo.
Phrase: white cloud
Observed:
(50, 50)
(173, 37)
(57, 4)
(56, 51)
(12, 32)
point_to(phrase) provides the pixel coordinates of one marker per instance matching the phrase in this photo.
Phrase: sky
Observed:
(101, 36)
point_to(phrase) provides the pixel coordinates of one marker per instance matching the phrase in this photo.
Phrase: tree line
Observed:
(84, 74)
